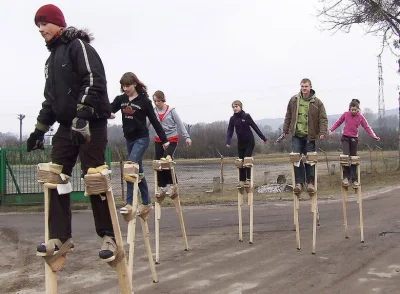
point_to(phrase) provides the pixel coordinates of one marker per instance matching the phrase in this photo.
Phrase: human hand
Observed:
(188, 142)
(330, 133)
(377, 138)
(165, 145)
(227, 145)
(281, 137)
(112, 116)
(35, 141)
(321, 137)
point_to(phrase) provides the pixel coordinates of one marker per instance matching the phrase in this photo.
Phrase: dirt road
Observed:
(217, 262)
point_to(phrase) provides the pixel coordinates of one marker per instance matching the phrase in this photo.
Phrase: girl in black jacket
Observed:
(241, 123)
(136, 106)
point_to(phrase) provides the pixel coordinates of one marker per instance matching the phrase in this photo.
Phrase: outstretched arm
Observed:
(338, 122)
(180, 125)
(255, 128)
(229, 133)
(288, 118)
(367, 128)
(323, 121)
(116, 105)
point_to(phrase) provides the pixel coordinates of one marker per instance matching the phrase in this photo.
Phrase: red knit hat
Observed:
(51, 14)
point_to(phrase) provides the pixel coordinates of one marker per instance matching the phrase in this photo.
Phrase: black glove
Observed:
(35, 141)
(80, 133)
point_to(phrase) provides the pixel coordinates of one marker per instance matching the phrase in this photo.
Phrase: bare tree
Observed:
(379, 18)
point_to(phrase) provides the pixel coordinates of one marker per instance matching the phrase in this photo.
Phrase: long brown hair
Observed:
(129, 78)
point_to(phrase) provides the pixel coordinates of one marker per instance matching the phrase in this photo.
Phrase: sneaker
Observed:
(345, 182)
(144, 209)
(240, 185)
(127, 209)
(247, 184)
(356, 184)
(108, 249)
(44, 248)
(297, 188)
(310, 188)
(172, 191)
(162, 192)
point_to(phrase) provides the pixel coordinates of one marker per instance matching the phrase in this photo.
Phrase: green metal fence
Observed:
(18, 183)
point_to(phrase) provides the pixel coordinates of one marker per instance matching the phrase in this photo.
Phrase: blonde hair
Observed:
(305, 80)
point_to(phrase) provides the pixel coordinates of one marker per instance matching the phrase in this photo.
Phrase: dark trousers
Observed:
(91, 154)
(349, 147)
(245, 149)
(164, 176)
(305, 172)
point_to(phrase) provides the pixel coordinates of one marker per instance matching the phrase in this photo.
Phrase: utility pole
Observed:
(20, 117)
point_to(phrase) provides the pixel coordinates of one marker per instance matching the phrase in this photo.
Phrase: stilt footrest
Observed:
(163, 164)
(50, 173)
(97, 180)
(248, 162)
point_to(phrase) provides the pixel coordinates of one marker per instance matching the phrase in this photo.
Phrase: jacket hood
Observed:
(69, 34)
(312, 95)
(170, 109)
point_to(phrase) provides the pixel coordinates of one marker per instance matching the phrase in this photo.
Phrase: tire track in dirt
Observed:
(16, 261)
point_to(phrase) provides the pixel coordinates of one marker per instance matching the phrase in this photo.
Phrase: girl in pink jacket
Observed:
(352, 120)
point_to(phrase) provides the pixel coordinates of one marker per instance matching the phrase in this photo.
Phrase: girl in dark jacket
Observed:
(241, 122)
(136, 106)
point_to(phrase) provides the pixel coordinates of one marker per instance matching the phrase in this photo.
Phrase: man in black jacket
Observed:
(75, 97)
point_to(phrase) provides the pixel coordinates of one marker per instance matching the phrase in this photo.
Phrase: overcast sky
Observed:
(202, 54)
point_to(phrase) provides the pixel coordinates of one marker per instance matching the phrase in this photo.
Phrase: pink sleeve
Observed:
(338, 122)
(367, 127)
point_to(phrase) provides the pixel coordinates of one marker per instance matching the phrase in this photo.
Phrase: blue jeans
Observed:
(136, 150)
(304, 172)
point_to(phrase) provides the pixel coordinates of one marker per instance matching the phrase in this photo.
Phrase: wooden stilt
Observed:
(50, 276)
(163, 165)
(294, 158)
(314, 240)
(178, 209)
(344, 203)
(250, 197)
(157, 217)
(123, 273)
(315, 204)
(131, 234)
(360, 203)
(239, 165)
(146, 234)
